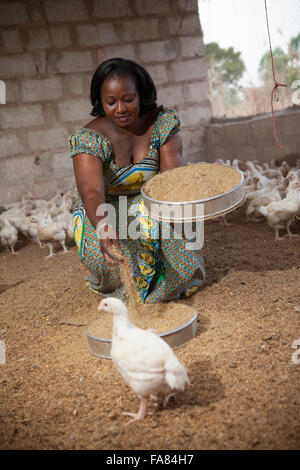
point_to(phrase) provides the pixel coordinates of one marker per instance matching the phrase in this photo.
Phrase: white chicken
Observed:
(257, 173)
(251, 195)
(50, 233)
(263, 199)
(67, 222)
(27, 197)
(65, 205)
(280, 214)
(8, 235)
(29, 229)
(282, 187)
(144, 360)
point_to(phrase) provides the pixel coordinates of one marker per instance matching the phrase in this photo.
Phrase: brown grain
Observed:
(192, 182)
(161, 317)
(55, 394)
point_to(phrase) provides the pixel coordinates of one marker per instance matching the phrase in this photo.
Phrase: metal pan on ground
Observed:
(193, 211)
(175, 338)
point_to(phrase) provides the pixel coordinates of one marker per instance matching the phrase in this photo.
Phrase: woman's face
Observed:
(120, 100)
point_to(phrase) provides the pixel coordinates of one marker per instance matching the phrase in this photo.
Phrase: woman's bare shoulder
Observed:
(98, 125)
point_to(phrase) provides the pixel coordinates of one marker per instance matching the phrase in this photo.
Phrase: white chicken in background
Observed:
(8, 235)
(283, 185)
(250, 184)
(50, 232)
(18, 215)
(272, 173)
(280, 214)
(26, 198)
(144, 360)
(67, 222)
(29, 229)
(252, 169)
(263, 198)
(8, 226)
(24, 226)
(65, 206)
(40, 205)
(284, 168)
(254, 189)
(237, 165)
(63, 214)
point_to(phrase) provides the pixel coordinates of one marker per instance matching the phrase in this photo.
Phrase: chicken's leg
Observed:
(41, 245)
(162, 401)
(223, 220)
(167, 398)
(277, 237)
(140, 414)
(289, 233)
(64, 247)
(51, 251)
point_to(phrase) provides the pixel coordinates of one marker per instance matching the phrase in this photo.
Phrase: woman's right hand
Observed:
(109, 243)
(90, 184)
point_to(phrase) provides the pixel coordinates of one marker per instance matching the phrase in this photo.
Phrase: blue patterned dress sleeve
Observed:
(88, 141)
(168, 124)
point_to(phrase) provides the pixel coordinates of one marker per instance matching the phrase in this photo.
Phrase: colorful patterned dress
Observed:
(162, 267)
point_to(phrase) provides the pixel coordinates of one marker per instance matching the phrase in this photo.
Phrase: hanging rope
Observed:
(274, 94)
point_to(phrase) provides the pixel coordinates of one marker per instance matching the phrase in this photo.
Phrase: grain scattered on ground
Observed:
(245, 389)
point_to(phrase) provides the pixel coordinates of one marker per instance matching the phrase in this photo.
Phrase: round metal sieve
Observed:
(175, 338)
(192, 211)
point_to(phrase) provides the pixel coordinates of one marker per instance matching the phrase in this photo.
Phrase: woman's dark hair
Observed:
(123, 67)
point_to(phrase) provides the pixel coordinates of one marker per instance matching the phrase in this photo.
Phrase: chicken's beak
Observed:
(101, 306)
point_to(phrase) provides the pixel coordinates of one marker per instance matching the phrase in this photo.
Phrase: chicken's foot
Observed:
(167, 398)
(51, 251)
(65, 249)
(140, 414)
(13, 252)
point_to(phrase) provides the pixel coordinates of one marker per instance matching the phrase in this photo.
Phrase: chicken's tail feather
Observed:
(176, 375)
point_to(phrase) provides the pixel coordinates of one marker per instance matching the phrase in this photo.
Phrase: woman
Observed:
(130, 140)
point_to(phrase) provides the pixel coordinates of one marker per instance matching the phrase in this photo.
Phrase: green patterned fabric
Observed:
(163, 269)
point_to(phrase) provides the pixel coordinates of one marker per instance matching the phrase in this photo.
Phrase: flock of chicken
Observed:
(271, 192)
(44, 222)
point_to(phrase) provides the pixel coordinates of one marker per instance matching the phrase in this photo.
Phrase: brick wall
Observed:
(48, 52)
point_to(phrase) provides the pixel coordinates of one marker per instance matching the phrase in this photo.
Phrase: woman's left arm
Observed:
(171, 152)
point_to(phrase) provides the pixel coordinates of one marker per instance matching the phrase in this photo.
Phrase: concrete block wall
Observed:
(252, 138)
(49, 50)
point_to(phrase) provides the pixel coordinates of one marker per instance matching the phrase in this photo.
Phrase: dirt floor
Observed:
(245, 388)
